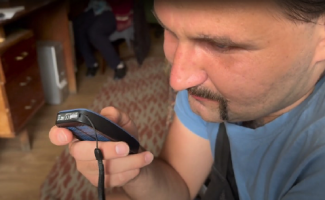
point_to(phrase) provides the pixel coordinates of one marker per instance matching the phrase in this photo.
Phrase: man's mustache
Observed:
(205, 93)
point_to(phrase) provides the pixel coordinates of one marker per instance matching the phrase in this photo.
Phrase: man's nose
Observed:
(187, 68)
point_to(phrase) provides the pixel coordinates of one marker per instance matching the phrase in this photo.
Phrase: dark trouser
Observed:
(94, 31)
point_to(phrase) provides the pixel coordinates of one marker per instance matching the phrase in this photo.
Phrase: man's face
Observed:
(239, 62)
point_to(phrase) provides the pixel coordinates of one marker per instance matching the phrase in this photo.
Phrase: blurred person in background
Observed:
(93, 22)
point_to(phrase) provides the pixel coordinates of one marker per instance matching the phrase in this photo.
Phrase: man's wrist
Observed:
(118, 194)
(138, 182)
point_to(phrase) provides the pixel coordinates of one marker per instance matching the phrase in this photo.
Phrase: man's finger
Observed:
(84, 150)
(120, 118)
(60, 136)
(115, 166)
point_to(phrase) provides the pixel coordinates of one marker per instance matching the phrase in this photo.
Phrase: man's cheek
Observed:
(237, 83)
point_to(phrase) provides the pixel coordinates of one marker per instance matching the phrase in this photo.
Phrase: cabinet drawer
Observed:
(25, 95)
(25, 110)
(19, 57)
(27, 83)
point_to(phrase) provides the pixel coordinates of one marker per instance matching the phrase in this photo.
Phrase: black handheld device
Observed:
(82, 122)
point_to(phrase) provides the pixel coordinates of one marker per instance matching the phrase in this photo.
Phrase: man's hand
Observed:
(120, 167)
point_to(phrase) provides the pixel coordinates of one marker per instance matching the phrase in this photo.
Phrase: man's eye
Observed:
(222, 48)
(219, 46)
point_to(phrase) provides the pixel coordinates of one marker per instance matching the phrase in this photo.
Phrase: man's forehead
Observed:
(211, 12)
(240, 23)
(210, 3)
(219, 7)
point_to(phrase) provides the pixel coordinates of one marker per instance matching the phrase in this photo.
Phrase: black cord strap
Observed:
(101, 178)
(99, 158)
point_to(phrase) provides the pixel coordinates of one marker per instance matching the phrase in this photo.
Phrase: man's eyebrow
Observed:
(223, 41)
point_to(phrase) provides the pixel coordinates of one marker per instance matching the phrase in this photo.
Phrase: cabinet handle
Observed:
(29, 107)
(22, 56)
(28, 80)
(19, 58)
(25, 54)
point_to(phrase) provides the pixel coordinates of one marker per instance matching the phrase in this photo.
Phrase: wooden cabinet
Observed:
(21, 92)
(18, 57)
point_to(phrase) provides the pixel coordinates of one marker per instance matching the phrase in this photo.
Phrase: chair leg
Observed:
(24, 141)
(101, 63)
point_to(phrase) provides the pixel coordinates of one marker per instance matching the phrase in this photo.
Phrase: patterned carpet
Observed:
(145, 95)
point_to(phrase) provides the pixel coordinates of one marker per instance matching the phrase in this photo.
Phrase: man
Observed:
(92, 28)
(256, 67)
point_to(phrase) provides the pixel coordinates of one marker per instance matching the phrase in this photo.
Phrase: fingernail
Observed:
(62, 137)
(121, 149)
(148, 158)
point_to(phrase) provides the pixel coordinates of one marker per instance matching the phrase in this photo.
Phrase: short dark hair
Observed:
(303, 10)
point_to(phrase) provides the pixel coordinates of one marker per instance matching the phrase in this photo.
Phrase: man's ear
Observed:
(320, 50)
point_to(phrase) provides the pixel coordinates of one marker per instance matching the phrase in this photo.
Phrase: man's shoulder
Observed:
(307, 141)
(316, 130)
(183, 108)
(182, 104)
(310, 117)
(187, 117)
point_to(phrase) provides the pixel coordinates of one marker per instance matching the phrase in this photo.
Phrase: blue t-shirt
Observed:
(284, 159)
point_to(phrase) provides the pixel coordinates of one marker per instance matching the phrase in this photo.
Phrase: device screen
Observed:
(84, 132)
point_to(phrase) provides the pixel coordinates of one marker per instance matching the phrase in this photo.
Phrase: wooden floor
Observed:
(21, 174)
